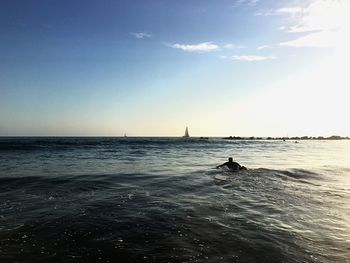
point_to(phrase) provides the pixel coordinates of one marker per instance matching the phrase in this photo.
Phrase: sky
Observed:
(151, 68)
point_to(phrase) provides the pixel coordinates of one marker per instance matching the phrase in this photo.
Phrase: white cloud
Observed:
(264, 47)
(201, 47)
(326, 23)
(323, 15)
(251, 58)
(141, 35)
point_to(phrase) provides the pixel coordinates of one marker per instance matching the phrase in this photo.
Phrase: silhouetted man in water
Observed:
(233, 166)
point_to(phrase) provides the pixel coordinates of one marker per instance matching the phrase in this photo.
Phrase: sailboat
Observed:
(186, 133)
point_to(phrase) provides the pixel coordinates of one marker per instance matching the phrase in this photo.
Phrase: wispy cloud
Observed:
(201, 47)
(251, 58)
(246, 2)
(266, 12)
(290, 10)
(264, 47)
(141, 35)
(228, 46)
(232, 46)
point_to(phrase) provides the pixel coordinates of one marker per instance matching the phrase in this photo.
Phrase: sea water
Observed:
(161, 200)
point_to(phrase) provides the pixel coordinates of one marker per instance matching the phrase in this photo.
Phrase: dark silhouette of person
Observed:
(233, 166)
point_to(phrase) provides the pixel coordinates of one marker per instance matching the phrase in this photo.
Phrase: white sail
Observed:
(186, 133)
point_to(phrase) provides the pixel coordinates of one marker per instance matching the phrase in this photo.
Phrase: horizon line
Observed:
(180, 136)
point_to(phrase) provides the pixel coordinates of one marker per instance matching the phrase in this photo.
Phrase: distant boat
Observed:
(125, 135)
(186, 133)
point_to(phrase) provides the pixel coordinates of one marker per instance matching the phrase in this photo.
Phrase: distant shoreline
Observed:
(334, 137)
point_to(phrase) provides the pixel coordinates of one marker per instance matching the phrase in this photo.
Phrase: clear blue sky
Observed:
(238, 67)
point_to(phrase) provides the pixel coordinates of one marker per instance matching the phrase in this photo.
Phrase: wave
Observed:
(64, 143)
(292, 172)
(254, 217)
(296, 175)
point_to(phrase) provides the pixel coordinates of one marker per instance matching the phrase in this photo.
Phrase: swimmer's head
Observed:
(230, 159)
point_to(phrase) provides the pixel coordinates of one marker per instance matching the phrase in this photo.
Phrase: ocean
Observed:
(103, 199)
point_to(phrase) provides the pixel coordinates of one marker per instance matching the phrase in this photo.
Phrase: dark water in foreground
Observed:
(159, 200)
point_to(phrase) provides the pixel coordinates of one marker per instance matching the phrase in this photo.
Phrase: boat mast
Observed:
(186, 132)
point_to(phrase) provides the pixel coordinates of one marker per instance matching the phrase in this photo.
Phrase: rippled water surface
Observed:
(160, 200)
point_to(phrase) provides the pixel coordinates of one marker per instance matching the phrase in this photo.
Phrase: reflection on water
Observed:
(160, 200)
